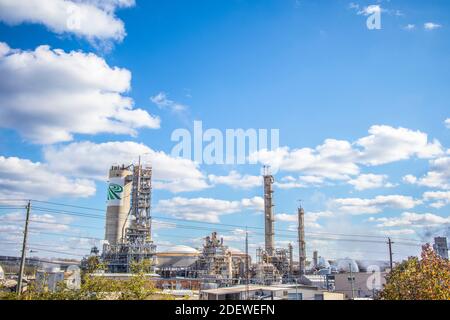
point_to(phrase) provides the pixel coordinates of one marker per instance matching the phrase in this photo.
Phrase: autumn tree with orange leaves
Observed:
(427, 278)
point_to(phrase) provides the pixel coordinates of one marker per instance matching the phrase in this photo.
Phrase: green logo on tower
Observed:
(114, 191)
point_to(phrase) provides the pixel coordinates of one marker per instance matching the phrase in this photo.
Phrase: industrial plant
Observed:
(214, 267)
(212, 271)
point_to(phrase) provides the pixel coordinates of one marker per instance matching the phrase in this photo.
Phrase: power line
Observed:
(88, 215)
(280, 235)
(179, 219)
(190, 225)
(201, 228)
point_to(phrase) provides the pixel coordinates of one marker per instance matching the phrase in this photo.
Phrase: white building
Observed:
(275, 292)
(359, 285)
(50, 278)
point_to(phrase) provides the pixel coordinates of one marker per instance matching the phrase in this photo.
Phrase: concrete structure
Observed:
(301, 241)
(51, 278)
(319, 281)
(359, 285)
(306, 292)
(268, 212)
(242, 292)
(275, 292)
(135, 243)
(440, 246)
(119, 200)
(2, 274)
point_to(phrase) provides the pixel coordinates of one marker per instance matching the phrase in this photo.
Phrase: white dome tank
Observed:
(181, 249)
(344, 265)
(177, 257)
(323, 263)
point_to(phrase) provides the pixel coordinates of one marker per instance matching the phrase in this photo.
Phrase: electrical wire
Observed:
(87, 215)
(281, 233)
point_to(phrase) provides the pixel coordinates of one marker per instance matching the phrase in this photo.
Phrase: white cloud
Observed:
(236, 180)
(375, 205)
(399, 232)
(91, 19)
(290, 182)
(311, 218)
(372, 9)
(91, 160)
(284, 217)
(206, 209)
(370, 181)
(366, 11)
(412, 219)
(314, 180)
(21, 178)
(163, 102)
(333, 160)
(289, 185)
(439, 198)
(386, 144)
(437, 177)
(409, 27)
(353, 5)
(89, 99)
(431, 26)
(447, 123)
(341, 160)
(236, 235)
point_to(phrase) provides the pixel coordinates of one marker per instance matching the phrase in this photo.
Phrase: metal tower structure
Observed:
(136, 243)
(139, 231)
(268, 211)
(301, 241)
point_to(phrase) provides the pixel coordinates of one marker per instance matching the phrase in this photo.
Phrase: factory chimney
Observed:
(301, 241)
(268, 211)
(119, 192)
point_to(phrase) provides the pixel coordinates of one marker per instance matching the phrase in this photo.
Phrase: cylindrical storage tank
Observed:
(119, 196)
(177, 257)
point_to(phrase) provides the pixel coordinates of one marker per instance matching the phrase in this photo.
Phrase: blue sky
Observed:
(311, 69)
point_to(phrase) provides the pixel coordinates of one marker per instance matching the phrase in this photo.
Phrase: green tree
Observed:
(427, 278)
(98, 287)
(93, 264)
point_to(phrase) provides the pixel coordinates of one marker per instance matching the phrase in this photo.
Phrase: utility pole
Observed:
(390, 253)
(24, 250)
(246, 263)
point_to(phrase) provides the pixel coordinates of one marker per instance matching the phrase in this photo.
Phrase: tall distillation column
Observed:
(301, 241)
(268, 212)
